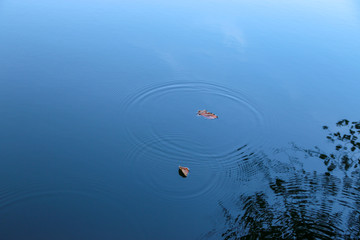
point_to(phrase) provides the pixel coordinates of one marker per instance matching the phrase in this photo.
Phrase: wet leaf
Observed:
(183, 171)
(207, 114)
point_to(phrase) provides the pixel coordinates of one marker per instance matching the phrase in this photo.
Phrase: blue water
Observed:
(98, 103)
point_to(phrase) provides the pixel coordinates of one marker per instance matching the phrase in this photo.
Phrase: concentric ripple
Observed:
(154, 167)
(162, 124)
(170, 109)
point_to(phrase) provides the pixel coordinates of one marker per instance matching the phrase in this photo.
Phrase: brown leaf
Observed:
(207, 114)
(183, 171)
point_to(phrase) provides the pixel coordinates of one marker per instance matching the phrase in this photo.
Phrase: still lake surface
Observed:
(98, 103)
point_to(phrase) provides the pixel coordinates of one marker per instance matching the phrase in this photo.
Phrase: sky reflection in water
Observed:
(98, 103)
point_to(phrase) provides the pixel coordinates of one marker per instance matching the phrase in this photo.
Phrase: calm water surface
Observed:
(98, 103)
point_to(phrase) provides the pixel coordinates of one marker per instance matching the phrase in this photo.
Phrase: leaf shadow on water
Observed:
(299, 204)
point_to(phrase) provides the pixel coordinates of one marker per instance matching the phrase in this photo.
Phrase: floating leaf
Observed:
(183, 171)
(207, 114)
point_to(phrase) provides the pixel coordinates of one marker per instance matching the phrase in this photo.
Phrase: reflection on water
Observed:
(305, 206)
(298, 204)
(346, 153)
(346, 156)
(169, 109)
(154, 168)
(79, 156)
(161, 122)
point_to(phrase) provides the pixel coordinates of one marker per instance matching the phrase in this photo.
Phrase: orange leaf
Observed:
(207, 114)
(183, 171)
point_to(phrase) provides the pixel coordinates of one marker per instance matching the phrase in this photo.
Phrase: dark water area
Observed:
(99, 103)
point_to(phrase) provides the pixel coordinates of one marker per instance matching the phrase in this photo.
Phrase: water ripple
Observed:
(170, 108)
(154, 168)
(161, 123)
